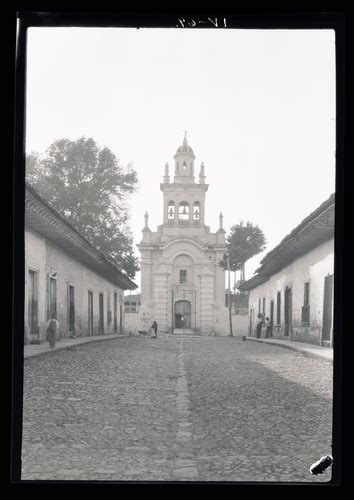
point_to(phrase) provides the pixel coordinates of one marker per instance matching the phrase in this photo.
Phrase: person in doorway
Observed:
(259, 326)
(267, 327)
(52, 331)
(154, 330)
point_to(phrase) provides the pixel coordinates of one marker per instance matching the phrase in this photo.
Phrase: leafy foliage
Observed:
(243, 242)
(87, 185)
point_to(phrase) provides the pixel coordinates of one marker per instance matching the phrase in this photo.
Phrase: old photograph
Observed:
(179, 254)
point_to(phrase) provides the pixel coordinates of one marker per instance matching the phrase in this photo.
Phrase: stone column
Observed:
(160, 298)
(206, 301)
(165, 209)
(191, 208)
(219, 281)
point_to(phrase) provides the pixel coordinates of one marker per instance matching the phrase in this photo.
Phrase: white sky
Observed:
(259, 107)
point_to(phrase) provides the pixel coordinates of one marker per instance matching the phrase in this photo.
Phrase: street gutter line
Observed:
(185, 466)
(64, 344)
(302, 350)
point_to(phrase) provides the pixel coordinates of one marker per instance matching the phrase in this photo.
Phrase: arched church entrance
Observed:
(183, 309)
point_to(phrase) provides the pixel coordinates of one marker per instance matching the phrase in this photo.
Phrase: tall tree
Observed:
(245, 240)
(87, 185)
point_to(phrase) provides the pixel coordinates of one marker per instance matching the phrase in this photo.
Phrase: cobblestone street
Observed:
(175, 409)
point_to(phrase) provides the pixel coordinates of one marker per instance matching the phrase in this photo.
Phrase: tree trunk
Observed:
(229, 295)
(243, 278)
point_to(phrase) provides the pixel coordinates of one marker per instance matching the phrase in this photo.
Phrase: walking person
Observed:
(259, 326)
(52, 330)
(267, 327)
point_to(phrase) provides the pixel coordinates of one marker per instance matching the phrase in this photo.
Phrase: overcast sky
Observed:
(259, 107)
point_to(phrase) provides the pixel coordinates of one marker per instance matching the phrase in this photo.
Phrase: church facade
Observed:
(182, 282)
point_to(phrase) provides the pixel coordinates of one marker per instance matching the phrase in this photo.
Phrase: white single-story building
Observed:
(66, 276)
(294, 283)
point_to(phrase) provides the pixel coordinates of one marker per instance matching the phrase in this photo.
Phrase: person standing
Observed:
(259, 326)
(154, 330)
(52, 331)
(267, 327)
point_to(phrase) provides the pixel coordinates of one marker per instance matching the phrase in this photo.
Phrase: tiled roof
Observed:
(312, 231)
(253, 282)
(42, 218)
(133, 296)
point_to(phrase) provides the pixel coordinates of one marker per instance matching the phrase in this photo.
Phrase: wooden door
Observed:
(271, 318)
(288, 311)
(183, 314)
(101, 317)
(115, 311)
(90, 313)
(71, 312)
(250, 326)
(32, 303)
(52, 298)
(120, 318)
(327, 309)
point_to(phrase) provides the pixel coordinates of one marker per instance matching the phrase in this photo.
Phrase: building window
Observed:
(305, 313)
(183, 276)
(131, 307)
(263, 306)
(259, 306)
(278, 307)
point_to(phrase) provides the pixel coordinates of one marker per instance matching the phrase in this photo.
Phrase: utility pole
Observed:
(229, 294)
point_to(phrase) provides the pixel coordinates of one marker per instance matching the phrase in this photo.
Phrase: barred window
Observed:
(183, 276)
(305, 312)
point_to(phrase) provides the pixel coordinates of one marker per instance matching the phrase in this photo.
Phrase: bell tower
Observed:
(182, 282)
(184, 199)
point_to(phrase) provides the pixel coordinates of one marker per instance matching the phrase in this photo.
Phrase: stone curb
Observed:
(296, 348)
(83, 341)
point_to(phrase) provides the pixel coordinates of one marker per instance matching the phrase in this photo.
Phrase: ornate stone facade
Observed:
(182, 283)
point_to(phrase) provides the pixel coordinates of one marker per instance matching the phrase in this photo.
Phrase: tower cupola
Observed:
(184, 163)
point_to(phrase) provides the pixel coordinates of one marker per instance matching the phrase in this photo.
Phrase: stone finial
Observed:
(221, 219)
(166, 177)
(201, 174)
(146, 216)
